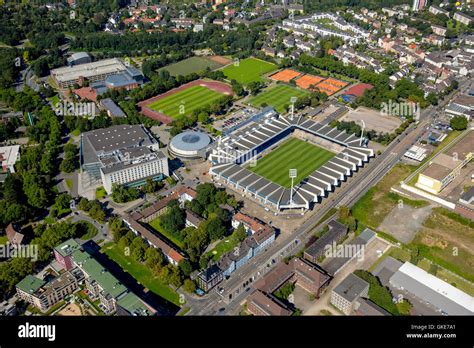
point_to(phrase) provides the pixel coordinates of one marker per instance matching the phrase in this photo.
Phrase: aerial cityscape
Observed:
(236, 158)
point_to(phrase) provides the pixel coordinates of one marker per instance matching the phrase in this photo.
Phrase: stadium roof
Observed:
(440, 294)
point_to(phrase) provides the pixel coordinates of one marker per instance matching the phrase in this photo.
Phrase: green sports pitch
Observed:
(292, 154)
(184, 102)
(190, 65)
(248, 70)
(278, 97)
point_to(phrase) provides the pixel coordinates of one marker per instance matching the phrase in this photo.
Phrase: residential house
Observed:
(463, 18)
(14, 234)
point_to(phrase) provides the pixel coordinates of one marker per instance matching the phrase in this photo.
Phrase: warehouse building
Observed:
(124, 155)
(447, 165)
(428, 288)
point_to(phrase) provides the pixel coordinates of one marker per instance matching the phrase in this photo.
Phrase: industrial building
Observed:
(445, 166)
(124, 155)
(428, 288)
(67, 76)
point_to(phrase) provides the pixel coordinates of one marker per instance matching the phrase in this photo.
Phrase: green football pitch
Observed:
(248, 70)
(190, 65)
(278, 97)
(292, 154)
(183, 103)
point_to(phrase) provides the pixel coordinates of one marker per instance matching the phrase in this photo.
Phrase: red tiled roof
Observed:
(173, 254)
(359, 89)
(86, 93)
(184, 189)
(268, 305)
(253, 224)
(14, 236)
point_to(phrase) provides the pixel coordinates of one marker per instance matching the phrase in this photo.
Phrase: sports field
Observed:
(184, 102)
(248, 70)
(278, 97)
(293, 153)
(191, 65)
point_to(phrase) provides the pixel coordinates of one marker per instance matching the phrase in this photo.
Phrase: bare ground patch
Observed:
(404, 222)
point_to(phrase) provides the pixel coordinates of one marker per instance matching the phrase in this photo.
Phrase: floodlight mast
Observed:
(292, 101)
(292, 174)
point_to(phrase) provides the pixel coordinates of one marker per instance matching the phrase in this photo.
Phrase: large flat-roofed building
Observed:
(447, 165)
(428, 288)
(43, 294)
(67, 76)
(124, 155)
(345, 295)
(101, 285)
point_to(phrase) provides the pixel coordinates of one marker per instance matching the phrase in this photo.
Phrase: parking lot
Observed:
(227, 123)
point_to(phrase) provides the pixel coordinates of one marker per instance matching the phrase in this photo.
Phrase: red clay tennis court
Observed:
(336, 83)
(285, 75)
(307, 80)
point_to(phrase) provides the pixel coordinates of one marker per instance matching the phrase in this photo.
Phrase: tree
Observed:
(459, 122)
(214, 229)
(138, 249)
(122, 194)
(96, 212)
(174, 220)
(83, 204)
(152, 186)
(175, 277)
(33, 187)
(240, 233)
(153, 258)
(62, 201)
(189, 286)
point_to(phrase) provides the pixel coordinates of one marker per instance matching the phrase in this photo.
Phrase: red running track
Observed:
(217, 86)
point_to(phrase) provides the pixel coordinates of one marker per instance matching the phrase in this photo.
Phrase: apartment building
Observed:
(43, 294)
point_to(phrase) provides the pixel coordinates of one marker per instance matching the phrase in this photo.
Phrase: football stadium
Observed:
(256, 160)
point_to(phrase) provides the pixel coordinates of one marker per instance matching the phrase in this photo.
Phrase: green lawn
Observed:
(223, 247)
(3, 240)
(141, 273)
(190, 65)
(156, 225)
(69, 183)
(248, 70)
(185, 102)
(54, 100)
(293, 153)
(76, 132)
(278, 97)
(378, 202)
